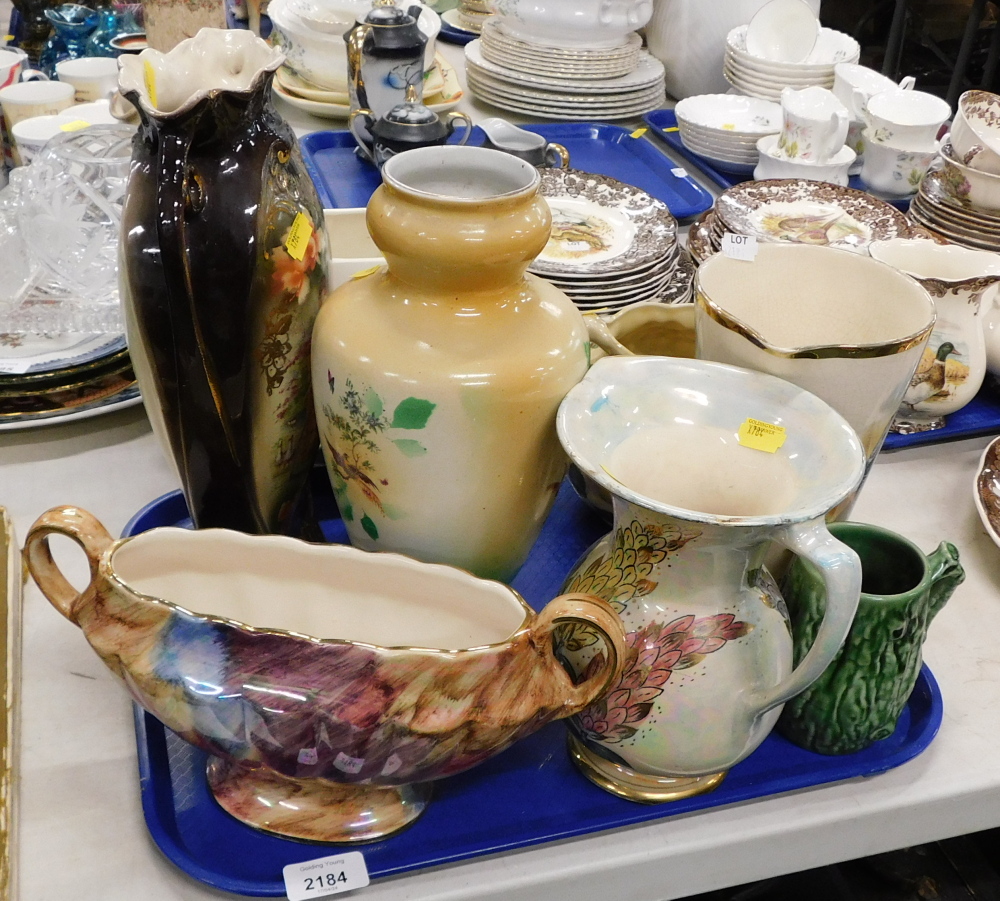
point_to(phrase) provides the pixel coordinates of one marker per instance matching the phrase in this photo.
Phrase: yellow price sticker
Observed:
(638, 133)
(729, 127)
(672, 128)
(75, 125)
(298, 236)
(364, 273)
(149, 77)
(763, 436)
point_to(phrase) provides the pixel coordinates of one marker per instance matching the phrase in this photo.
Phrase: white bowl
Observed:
(824, 79)
(730, 114)
(571, 24)
(831, 47)
(773, 165)
(783, 31)
(977, 125)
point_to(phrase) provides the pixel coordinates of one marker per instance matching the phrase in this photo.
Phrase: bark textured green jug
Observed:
(860, 696)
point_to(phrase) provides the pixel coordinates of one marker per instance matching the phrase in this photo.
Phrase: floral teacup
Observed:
(814, 124)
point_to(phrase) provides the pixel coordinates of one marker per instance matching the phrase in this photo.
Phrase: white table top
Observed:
(82, 835)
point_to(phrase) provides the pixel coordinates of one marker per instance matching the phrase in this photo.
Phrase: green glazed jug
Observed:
(861, 694)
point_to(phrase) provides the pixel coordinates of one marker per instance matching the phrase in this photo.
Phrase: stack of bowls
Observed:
(758, 77)
(725, 128)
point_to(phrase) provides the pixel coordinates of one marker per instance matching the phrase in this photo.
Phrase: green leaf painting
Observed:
(369, 526)
(374, 403)
(409, 447)
(412, 413)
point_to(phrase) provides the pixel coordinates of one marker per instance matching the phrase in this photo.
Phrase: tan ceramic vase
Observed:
(438, 377)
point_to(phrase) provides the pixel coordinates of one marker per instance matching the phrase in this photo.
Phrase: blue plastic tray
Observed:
(663, 123)
(344, 180)
(981, 416)
(454, 35)
(528, 795)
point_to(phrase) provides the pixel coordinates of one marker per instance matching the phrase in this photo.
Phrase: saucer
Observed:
(986, 490)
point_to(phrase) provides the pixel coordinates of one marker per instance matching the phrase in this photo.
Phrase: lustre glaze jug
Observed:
(861, 694)
(223, 265)
(707, 465)
(439, 376)
(953, 366)
(326, 718)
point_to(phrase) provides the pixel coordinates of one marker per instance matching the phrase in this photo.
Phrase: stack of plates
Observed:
(442, 91)
(581, 63)
(725, 128)
(54, 378)
(612, 245)
(797, 211)
(765, 79)
(936, 209)
(472, 14)
(561, 95)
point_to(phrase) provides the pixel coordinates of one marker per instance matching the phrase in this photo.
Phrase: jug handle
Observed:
(86, 531)
(570, 609)
(556, 152)
(453, 119)
(840, 570)
(946, 574)
(600, 334)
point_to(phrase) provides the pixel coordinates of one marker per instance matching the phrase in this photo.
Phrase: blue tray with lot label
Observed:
(529, 794)
(663, 123)
(344, 179)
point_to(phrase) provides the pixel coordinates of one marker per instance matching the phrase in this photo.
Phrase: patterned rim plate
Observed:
(944, 215)
(649, 71)
(20, 354)
(680, 288)
(128, 397)
(950, 233)
(582, 114)
(585, 281)
(809, 212)
(539, 95)
(934, 194)
(601, 225)
(502, 55)
(629, 47)
(648, 289)
(700, 244)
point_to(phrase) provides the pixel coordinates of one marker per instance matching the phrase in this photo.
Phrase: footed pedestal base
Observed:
(913, 423)
(634, 786)
(313, 810)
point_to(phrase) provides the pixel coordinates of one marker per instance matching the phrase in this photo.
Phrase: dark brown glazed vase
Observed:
(223, 264)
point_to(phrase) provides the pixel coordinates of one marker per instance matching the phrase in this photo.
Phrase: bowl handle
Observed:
(86, 531)
(584, 609)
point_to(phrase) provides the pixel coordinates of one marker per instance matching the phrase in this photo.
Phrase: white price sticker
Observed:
(325, 876)
(679, 172)
(739, 247)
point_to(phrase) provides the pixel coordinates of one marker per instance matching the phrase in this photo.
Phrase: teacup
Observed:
(93, 77)
(892, 171)
(860, 696)
(34, 98)
(532, 148)
(814, 124)
(975, 131)
(594, 24)
(773, 164)
(330, 684)
(908, 120)
(847, 328)
(30, 135)
(853, 85)
(966, 184)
